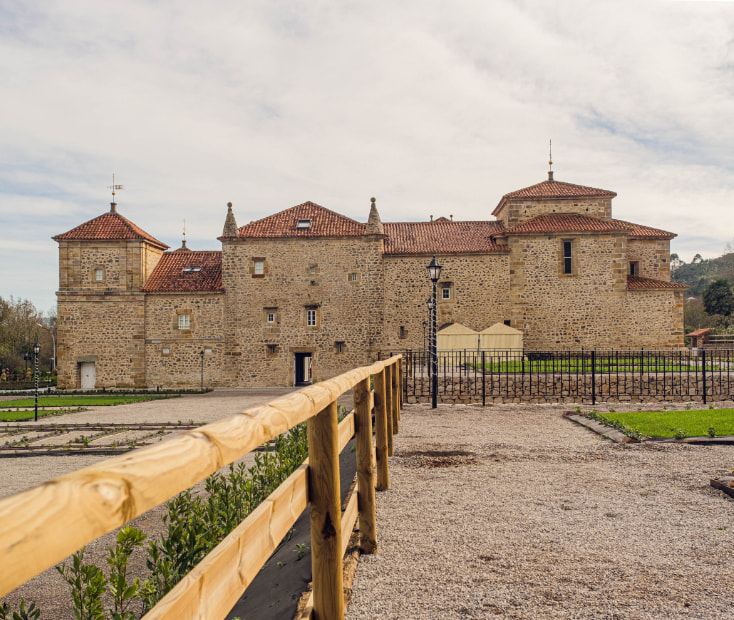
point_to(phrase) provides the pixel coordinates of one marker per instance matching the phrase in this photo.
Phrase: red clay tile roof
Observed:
(324, 223)
(638, 231)
(441, 236)
(169, 275)
(699, 332)
(554, 189)
(110, 225)
(575, 222)
(638, 283)
(567, 222)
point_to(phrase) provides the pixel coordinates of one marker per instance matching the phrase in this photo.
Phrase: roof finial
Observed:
(113, 187)
(550, 160)
(183, 243)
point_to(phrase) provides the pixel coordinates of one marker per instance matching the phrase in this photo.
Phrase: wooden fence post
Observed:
(401, 377)
(395, 401)
(381, 432)
(326, 535)
(365, 477)
(388, 407)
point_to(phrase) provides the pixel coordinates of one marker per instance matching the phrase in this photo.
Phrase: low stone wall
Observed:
(550, 388)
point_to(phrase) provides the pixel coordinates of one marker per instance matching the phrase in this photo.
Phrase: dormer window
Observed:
(303, 224)
(191, 269)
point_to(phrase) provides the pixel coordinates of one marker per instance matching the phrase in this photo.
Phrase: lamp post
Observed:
(424, 338)
(36, 352)
(434, 273)
(429, 305)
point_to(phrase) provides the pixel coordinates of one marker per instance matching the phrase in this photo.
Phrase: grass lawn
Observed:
(83, 401)
(26, 414)
(696, 422)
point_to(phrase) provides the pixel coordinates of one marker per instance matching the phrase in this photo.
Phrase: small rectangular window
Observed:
(353, 277)
(446, 293)
(271, 317)
(311, 318)
(567, 257)
(184, 321)
(272, 349)
(634, 268)
(312, 269)
(402, 331)
(303, 224)
(99, 275)
(259, 267)
(339, 347)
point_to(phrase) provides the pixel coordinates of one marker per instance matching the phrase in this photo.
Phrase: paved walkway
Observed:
(512, 511)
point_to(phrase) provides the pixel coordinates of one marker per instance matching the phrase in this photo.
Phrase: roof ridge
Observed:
(90, 230)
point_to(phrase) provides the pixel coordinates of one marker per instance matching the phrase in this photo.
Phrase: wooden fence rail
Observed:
(42, 526)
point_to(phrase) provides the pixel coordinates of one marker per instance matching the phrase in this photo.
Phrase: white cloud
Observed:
(434, 108)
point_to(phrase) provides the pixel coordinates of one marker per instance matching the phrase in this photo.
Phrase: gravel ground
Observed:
(512, 511)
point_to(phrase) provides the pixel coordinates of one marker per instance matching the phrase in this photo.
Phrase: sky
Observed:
(433, 107)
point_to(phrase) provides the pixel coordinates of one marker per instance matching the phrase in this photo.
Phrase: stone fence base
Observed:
(585, 389)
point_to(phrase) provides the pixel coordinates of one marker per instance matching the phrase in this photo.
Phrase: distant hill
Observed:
(699, 275)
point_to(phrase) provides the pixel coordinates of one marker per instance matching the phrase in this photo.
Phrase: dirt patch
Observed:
(439, 458)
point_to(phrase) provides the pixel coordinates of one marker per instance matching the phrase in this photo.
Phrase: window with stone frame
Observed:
(184, 321)
(311, 317)
(270, 316)
(99, 275)
(568, 257)
(634, 268)
(339, 347)
(446, 291)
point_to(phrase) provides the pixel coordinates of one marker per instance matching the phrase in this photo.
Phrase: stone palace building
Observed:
(308, 293)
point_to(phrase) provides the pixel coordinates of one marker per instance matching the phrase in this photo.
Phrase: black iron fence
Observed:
(571, 376)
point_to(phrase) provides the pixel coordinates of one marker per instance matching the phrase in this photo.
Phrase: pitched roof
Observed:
(575, 222)
(554, 189)
(323, 223)
(441, 236)
(108, 226)
(638, 231)
(567, 222)
(638, 283)
(169, 275)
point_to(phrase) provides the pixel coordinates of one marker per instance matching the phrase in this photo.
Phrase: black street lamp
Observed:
(424, 337)
(434, 273)
(429, 305)
(36, 352)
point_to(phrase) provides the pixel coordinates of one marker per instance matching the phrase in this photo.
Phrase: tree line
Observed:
(21, 326)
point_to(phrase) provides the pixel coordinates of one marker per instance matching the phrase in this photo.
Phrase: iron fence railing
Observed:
(581, 376)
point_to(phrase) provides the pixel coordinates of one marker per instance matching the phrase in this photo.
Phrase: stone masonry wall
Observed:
(479, 295)
(654, 319)
(348, 311)
(172, 355)
(557, 311)
(517, 211)
(653, 257)
(106, 329)
(126, 264)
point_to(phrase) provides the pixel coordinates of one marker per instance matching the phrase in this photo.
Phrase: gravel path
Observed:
(512, 511)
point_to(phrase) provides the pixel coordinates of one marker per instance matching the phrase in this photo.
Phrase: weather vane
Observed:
(550, 154)
(113, 187)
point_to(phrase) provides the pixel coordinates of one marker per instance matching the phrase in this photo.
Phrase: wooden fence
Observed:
(41, 527)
